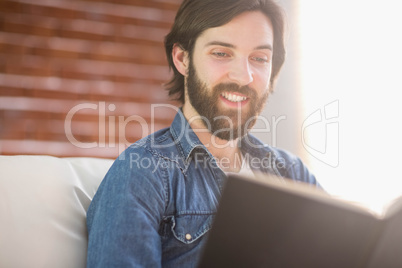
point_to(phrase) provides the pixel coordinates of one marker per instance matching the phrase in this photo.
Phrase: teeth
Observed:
(233, 98)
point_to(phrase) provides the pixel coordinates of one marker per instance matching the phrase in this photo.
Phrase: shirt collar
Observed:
(184, 136)
(255, 149)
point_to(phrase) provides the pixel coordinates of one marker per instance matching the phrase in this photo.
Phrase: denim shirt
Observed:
(157, 202)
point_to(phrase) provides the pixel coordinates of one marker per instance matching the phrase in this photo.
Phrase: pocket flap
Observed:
(188, 228)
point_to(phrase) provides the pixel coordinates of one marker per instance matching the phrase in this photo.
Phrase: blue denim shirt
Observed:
(157, 202)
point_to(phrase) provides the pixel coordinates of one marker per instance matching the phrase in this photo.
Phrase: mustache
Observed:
(232, 87)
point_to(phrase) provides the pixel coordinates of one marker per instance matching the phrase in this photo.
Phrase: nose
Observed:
(241, 72)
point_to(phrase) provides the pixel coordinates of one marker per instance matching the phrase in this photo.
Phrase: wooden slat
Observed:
(58, 148)
(143, 110)
(80, 49)
(109, 12)
(55, 87)
(81, 29)
(163, 4)
(89, 69)
(112, 128)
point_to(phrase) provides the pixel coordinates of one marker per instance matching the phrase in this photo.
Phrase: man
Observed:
(225, 55)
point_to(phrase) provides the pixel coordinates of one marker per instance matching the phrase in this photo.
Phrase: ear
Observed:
(180, 59)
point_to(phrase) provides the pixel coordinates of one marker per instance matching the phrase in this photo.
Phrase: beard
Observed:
(226, 124)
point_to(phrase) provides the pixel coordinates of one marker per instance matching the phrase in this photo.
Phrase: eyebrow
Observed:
(219, 43)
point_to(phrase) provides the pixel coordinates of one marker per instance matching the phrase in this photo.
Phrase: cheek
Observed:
(212, 72)
(262, 78)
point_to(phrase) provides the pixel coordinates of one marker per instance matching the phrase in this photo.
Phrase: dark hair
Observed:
(196, 16)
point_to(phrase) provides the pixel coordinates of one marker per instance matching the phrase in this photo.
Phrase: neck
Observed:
(226, 153)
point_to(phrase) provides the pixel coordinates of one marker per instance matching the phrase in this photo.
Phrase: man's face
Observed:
(229, 75)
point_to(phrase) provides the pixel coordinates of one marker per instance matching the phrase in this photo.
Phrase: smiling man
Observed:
(225, 56)
(227, 78)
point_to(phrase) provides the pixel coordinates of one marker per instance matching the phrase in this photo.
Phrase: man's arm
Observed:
(292, 167)
(124, 216)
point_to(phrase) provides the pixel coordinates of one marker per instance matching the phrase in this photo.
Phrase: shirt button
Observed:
(188, 236)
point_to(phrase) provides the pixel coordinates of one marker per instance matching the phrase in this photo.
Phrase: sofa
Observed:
(43, 204)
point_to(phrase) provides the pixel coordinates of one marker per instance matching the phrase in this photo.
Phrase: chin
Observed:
(230, 135)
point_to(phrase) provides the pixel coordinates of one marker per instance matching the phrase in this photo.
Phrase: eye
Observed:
(260, 59)
(220, 54)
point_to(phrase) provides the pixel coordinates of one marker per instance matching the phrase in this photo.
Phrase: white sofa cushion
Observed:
(43, 203)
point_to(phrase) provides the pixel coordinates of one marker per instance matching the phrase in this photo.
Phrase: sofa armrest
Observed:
(43, 203)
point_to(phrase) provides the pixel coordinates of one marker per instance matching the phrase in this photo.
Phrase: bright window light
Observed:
(351, 57)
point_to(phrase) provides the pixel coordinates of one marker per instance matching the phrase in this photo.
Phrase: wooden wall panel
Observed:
(82, 77)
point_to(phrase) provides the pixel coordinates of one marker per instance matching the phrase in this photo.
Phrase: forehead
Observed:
(247, 30)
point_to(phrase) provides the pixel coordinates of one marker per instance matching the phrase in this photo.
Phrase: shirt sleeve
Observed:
(124, 217)
(292, 167)
(301, 173)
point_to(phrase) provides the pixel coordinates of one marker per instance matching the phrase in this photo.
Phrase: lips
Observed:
(233, 97)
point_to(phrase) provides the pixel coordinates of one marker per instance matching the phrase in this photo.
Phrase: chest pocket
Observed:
(189, 228)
